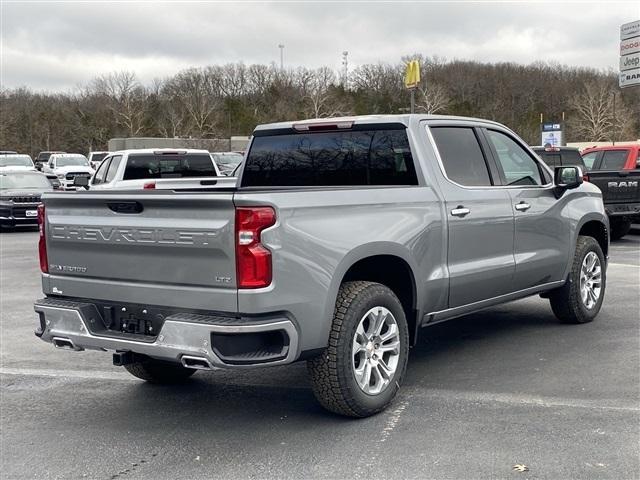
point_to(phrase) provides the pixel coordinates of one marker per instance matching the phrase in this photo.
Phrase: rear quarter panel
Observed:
(319, 235)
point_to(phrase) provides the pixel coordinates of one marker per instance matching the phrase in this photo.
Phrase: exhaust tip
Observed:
(65, 344)
(197, 363)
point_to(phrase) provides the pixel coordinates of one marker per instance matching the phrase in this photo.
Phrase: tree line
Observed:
(222, 100)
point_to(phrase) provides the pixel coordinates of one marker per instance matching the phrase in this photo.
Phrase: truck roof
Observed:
(161, 150)
(405, 119)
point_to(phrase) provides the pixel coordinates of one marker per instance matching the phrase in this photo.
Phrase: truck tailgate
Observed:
(619, 188)
(170, 248)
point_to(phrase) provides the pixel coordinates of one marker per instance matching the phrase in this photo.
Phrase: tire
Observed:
(567, 302)
(333, 373)
(619, 229)
(158, 371)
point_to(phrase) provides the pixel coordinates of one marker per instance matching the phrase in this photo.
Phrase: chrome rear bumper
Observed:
(183, 337)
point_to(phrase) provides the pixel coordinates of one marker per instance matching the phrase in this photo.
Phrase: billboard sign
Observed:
(412, 74)
(629, 62)
(629, 54)
(630, 30)
(630, 45)
(630, 78)
(551, 134)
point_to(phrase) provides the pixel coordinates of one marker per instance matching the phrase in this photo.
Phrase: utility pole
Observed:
(614, 117)
(281, 47)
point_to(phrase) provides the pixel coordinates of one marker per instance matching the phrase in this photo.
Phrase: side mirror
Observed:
(566, 178)
(81, 181)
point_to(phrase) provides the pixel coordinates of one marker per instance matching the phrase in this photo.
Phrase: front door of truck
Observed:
(542, 236)
(479, 217)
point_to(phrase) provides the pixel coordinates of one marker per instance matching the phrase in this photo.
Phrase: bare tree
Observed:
(198, 92)
(593, 117)
(127, 99)
(432, 98)
(318, 87)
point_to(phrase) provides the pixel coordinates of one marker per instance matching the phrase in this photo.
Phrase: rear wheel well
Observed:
(394, 273)
(598, 231)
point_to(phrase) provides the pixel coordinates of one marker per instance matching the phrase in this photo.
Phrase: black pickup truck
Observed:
(621, 197)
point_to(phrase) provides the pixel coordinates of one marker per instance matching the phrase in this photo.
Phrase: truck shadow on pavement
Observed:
(466, 344)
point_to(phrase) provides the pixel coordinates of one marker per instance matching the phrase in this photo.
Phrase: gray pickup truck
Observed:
(341, 240)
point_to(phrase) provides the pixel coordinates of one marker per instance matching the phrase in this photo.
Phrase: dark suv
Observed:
(560, 156)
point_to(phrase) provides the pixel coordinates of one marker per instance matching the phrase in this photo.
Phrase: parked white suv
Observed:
(136, 169)
(67, 166)
(15, 162)
(95, 158)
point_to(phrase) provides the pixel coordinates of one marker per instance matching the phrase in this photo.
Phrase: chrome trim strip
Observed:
(449, 313)
(176, 339)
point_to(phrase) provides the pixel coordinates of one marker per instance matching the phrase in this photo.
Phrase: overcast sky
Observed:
(60, 45)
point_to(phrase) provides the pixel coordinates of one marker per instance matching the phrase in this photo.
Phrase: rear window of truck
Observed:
(146, 166)
(614, 159)
(363, 157)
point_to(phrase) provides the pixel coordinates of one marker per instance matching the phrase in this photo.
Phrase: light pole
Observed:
(281, 47)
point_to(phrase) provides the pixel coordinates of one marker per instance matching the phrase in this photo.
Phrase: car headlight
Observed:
(61, 175)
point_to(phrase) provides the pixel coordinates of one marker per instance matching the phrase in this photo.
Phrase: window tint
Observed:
(571, 158)
(461, 155)
(551, 159)
(518, 167)
(143, 166)
(589, 159)
(98, 157)
(100, 173)
(614, 159)
(376, 157)
(113, 168)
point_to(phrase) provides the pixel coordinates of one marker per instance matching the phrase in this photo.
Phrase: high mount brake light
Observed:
(42, 241)
(253, 260)
(320, 126)
(171, 152)
(149, 186)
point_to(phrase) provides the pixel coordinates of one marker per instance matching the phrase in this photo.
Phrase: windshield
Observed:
(228, 159)
(16, 161)
(72, 161)
(23, 181)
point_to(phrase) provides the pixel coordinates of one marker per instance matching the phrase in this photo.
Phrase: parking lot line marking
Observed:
(436, 393)
(628, 265)
(82, 374)
(525, 400)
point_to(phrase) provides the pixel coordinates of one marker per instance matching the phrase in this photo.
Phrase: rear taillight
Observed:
(42, 241)
(585, 177)
(149, 186)
(253, 260)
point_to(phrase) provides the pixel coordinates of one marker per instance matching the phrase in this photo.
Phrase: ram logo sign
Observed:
(622, 184)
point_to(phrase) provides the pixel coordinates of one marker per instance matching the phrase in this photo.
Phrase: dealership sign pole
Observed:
(630, 54)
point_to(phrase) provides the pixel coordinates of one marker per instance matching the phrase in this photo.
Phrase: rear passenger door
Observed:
(479, 217)
(541, 244)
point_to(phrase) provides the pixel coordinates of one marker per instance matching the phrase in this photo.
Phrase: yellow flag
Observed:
(412, 74)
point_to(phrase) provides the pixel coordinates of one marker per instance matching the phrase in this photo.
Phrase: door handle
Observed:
(522, 207)
(460, 211)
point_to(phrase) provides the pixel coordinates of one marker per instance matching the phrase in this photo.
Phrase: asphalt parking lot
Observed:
(483, 393)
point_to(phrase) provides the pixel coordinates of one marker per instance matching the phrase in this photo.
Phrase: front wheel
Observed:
(579, 300)
(361, 370)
